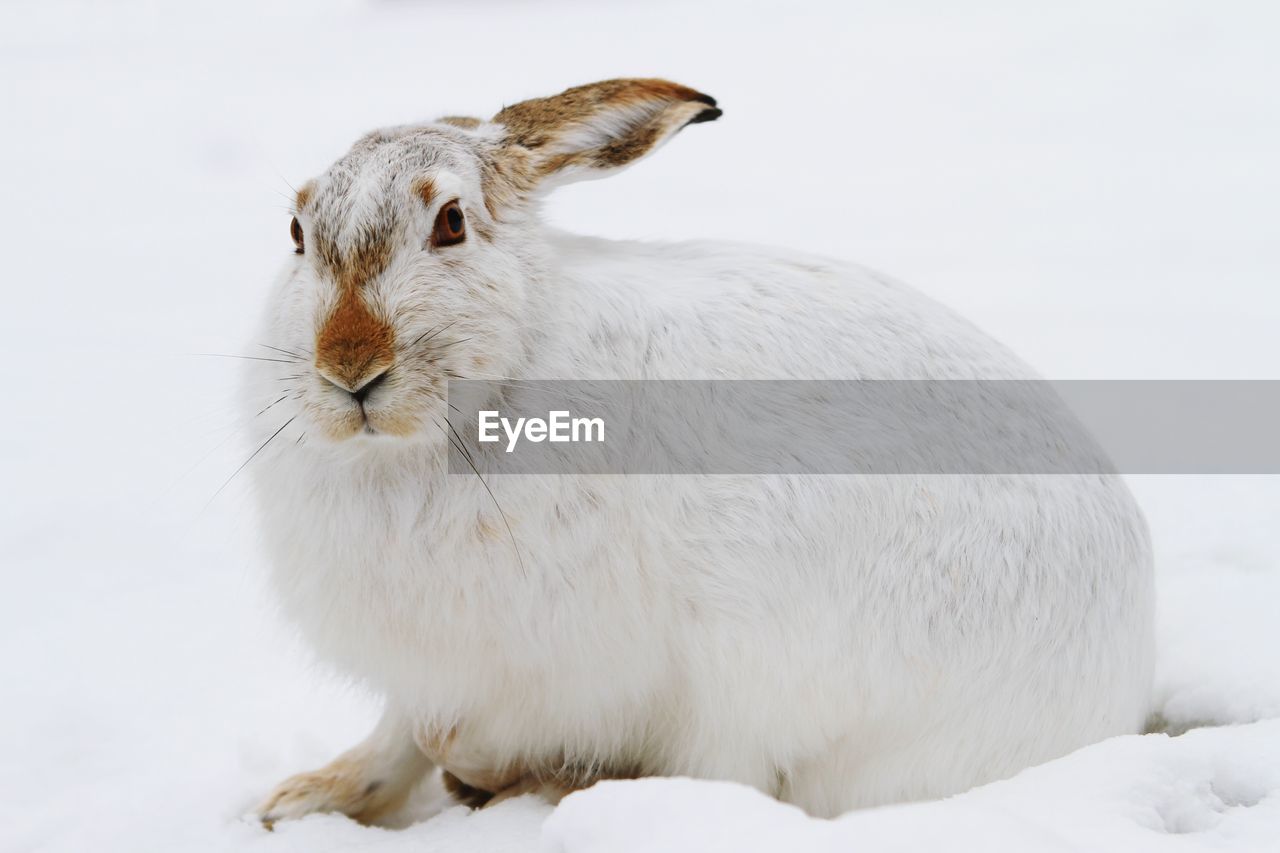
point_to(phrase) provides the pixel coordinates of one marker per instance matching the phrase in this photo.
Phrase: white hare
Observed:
(836, 641)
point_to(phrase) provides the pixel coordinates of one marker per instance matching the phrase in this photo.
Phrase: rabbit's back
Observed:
(718, 310)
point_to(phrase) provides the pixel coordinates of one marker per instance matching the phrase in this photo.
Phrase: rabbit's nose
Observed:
(360, 388)
(363, 391)
(354, 345)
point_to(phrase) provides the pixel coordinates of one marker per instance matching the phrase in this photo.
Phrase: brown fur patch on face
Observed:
(353, 344)
(424, 189)
(354, 268)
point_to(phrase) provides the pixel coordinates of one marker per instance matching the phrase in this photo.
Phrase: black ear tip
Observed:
(709, 114)
(705, 99)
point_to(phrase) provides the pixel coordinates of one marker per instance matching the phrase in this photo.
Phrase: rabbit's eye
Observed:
(451, 226)
(295, 231)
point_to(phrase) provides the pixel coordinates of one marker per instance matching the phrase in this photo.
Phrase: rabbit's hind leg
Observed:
(467, 795)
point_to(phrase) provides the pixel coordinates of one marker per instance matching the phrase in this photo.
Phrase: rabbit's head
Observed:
(414, 251)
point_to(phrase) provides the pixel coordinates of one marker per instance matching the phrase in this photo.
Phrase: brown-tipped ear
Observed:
(589, 131)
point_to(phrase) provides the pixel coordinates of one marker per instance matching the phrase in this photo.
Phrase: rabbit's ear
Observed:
(590, 131)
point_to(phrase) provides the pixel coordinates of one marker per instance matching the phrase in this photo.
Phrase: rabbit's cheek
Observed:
(336, 422)
(405, 406)
(393, 421)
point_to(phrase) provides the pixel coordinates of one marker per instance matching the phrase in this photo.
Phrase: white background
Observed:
(1095, 183)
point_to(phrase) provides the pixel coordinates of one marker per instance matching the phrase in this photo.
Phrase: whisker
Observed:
(195, 465)
(296, 355)
(459, 446)
(247, 357)
(448, 344)
(429, 334)
(287, 391)
(250, 459)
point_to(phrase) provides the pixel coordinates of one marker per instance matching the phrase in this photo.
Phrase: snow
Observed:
(1132, 794)
(1095, 183)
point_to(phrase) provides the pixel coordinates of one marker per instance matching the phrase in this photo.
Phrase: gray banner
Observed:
(864, 427)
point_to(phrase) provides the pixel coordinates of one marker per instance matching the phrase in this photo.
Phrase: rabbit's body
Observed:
(838, 641)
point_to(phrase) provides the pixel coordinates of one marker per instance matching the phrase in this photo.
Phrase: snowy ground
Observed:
(1096, 183)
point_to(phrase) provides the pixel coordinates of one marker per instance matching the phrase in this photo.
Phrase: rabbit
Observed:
(837, 642)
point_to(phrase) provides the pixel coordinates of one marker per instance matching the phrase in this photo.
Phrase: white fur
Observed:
(836, 641)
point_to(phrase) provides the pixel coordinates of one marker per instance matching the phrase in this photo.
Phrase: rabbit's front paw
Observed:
(340, 787)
